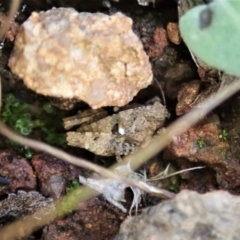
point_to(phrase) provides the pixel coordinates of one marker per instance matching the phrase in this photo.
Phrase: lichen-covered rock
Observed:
(22, 204)
(93, 57)
(189, 216)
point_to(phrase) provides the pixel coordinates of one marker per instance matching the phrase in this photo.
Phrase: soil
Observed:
(214, 142)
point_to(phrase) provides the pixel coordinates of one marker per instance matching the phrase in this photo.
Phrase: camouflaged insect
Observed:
(119, 134)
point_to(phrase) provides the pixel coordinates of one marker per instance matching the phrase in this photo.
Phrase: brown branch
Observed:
(6, 25)
(27, 225)
(24, 227)
(158, 143)
(4, 130)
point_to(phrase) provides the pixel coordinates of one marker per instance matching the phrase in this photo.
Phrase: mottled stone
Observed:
(95, 57)
(160, 41)
(18, 171)
(173, 33)
(200, 143)
(186, 96)
(22, 204)
(53, 174)
(189, 216)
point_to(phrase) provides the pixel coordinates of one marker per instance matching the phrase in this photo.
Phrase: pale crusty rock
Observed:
(189, 216)
(92, 57)
(22, 204)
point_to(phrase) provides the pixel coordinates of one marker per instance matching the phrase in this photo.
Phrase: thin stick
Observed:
(158, 143)
(181, 125)
(76, 161)
(24, 227)
(6, 25)
(27, 225)
(162, 93)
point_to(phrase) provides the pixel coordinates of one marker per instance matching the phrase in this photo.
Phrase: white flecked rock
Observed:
(189, 216)
(95, 57)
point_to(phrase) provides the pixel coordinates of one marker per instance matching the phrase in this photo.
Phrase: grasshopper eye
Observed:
(205, 18)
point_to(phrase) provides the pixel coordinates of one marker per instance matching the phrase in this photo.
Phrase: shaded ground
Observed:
(214, 142)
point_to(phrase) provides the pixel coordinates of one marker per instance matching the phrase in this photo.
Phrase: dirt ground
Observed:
(213, 142)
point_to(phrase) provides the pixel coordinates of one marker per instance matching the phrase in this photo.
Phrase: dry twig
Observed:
(78, 161)
(26, 226)
(22, 228)
(6, 25)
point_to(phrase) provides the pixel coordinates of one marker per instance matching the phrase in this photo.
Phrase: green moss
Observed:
(174, 187)
(70, 201)
(201, 143)
(29, 120)
(224, 135)
(74, 185)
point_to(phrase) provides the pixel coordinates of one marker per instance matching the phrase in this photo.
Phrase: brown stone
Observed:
(173, 33)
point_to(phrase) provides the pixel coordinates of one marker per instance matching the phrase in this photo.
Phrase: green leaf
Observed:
(212, 33)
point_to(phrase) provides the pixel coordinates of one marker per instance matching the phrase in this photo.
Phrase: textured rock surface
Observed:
(18, 171)
(93, 57)
(188, 93)
(94, 219)
(186, 145)
(173, 33)
(190, 215)
(53, 174)
(160, 41)
(22, 204)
